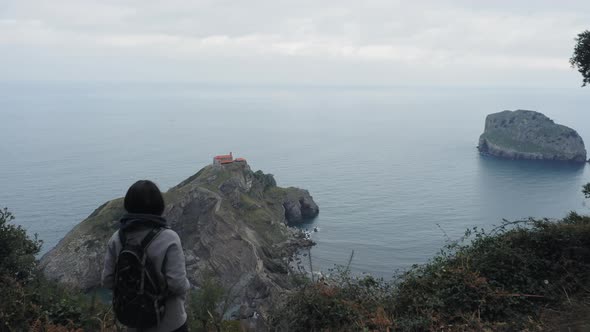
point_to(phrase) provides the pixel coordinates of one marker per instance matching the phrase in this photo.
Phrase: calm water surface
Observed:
(393, 169)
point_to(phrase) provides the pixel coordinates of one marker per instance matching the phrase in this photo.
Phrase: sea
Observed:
(394, 169)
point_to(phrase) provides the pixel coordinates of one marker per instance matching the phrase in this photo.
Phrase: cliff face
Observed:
(530, 135)
(231, 221)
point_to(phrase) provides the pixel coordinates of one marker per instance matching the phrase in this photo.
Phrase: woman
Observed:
(144, 205)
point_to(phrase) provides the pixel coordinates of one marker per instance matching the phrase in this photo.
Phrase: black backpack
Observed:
(138, 299)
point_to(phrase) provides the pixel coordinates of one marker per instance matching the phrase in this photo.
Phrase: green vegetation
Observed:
(209, 304)
(258, 217)
(111, 211)
(17, 250)
(204, 310)
(341, 302)
(515, 277)
(581, 56)
(32, 303)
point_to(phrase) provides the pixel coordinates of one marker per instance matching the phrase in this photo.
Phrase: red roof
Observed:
(224, 156)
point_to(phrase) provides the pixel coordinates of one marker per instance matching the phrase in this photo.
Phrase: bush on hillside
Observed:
(503, 279)
(32, 303)
(341, 302)
(203, 304)
(208, 305)
(17, 250)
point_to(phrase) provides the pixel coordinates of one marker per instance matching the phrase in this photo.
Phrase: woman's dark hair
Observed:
(144, 197)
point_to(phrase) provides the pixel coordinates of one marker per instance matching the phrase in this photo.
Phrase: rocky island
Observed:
(523, 134)
(233, 223)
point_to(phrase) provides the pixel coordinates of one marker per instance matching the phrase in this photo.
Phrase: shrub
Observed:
(500, 280)
(17, 250)
(338, 303)
(31, 302)
(208, 305)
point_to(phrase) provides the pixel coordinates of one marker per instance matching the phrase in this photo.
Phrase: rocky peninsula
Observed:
(232, 222)
(523, 134)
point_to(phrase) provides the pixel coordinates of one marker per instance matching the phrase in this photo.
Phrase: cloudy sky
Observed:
(369, 42)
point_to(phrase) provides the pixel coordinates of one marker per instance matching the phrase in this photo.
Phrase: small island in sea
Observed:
(524, 134)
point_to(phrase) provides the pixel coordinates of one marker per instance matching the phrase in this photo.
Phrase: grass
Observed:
(101, 221)
(260, 217)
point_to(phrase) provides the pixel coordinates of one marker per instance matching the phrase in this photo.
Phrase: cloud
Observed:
(436, 36)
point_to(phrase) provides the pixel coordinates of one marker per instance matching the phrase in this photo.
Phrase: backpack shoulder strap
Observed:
(122, 237)
(147, 240)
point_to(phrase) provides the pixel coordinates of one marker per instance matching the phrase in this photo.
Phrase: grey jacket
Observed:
(165, 252)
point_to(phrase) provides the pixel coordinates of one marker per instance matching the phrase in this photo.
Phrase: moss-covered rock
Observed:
(530, 135)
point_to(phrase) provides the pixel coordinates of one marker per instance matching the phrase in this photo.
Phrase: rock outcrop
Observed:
(232, 223)
(299, 206)
(525, 134)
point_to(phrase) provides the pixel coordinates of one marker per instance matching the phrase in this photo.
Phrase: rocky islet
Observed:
(524, 134)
